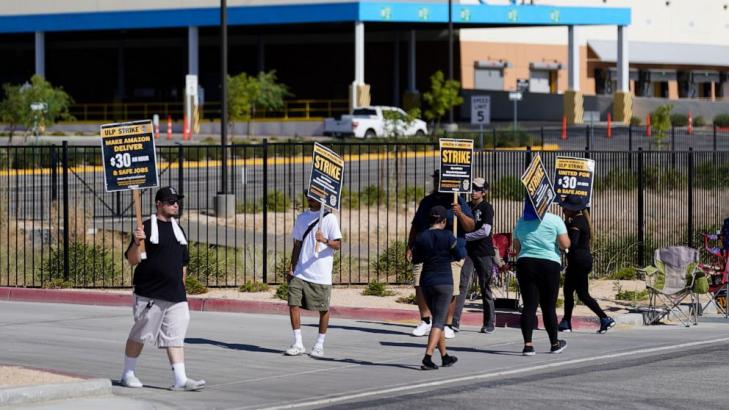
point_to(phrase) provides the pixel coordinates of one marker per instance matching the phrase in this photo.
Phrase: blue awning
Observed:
(466, 16)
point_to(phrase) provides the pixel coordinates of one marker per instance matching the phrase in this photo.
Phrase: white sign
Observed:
(480, 109)
(515, 96)
(39, 106)
(191, 85)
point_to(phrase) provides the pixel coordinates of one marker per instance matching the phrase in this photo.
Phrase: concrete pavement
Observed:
(240, 356)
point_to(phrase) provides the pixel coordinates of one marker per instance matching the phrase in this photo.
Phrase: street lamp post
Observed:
(450, 52)
(223, 95)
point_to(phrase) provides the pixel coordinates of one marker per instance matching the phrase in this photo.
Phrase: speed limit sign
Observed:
(480, 109)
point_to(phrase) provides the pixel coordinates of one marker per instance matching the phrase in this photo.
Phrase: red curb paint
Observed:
(503, 319)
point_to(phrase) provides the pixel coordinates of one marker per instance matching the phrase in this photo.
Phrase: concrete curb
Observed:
(503, 319)
(59, 391)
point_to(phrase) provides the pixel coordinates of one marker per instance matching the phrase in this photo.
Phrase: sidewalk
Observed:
(347, 302)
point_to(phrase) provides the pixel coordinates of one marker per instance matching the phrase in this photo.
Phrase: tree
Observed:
(15, 108)
(396, 123)
(443, 95)
(248, 93)
(661, 122)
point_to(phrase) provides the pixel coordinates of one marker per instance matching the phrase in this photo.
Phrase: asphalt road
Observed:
(374, 364)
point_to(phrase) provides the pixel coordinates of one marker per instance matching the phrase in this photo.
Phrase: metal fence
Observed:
(600, 138)
(59, 228)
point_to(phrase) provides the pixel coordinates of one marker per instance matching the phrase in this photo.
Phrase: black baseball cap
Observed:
(168, 193)
(438, 212)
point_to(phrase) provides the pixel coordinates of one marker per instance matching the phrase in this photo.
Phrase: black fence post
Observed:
(714, 145)
(180, 175)
(641, 239)
(691, 197)
(528, 158)
(630, 146)
(265, 210)
(64, 159)
(673, 147)
(587, 137)
(54, 173)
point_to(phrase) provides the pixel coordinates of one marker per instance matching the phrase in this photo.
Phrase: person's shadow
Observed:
(453, 348)
(367, 363)
(363, 329)
(232, 346)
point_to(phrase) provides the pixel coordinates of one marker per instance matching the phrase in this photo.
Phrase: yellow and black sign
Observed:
(129, 156)
(327, 173)
(574, 176)
(538, 187)
(456, 157)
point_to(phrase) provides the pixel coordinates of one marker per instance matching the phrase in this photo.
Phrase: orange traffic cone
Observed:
(169, 128)
(610, 126)
(690, 124)
(648, 125)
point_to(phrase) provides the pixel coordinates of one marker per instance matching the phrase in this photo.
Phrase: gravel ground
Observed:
(13, 376)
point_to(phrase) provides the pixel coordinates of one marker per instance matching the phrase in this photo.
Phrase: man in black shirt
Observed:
(480, 247)
(161, 314)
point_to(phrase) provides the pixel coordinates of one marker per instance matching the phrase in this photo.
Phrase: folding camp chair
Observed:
(505, 273)
(717, 273)
(669, 283)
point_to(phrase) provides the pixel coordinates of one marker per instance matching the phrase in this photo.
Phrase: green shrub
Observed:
(560, 302)
(408, 300)
(252, 287)
(350, 199)
(282, 266)
(507, 138)
(708, 175)
(625, 273)
(57, 283)
(632, 295)
(635, 121)
(699, 121)
(194, 286)
(669, 179)
(410, 194)
(722, 120)
(89, 265)
(376, 288)
(679, 120)
(372, 195)
(509, 187)
(392, 263)
(282, 291)
(277, 202)
(617, 179)
(205, 262)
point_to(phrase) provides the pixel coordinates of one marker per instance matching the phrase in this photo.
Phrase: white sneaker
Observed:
(448, 332)
(317, 351)
(295, 350)
(422, 329)
(190, 385)
(131, 381)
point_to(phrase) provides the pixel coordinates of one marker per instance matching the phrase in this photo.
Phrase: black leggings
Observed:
(575, 280)
(539, 284)
(438, 298)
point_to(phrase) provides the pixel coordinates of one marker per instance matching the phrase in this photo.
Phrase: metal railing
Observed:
(59, 228)
(292, 109)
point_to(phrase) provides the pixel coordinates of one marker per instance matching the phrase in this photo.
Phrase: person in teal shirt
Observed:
(538, 243)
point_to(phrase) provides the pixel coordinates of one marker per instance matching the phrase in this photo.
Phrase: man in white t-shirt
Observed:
(310, 276)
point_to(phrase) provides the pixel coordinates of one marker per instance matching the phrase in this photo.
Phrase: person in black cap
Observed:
(435, 249)
(421, 223)
(480, 250)
(161, 314)
(579, 263)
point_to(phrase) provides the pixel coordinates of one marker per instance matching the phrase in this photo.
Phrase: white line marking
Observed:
(491, 375)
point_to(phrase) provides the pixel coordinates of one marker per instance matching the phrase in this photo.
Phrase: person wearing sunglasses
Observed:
(161, 314)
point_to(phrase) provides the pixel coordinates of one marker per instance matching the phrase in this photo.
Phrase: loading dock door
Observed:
(539, 81)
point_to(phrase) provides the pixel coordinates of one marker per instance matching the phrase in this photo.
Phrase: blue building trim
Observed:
(384, 12)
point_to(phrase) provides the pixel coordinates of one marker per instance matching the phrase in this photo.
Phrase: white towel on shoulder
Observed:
(154, 235)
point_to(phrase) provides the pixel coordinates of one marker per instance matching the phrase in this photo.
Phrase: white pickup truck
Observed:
(369, 122)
